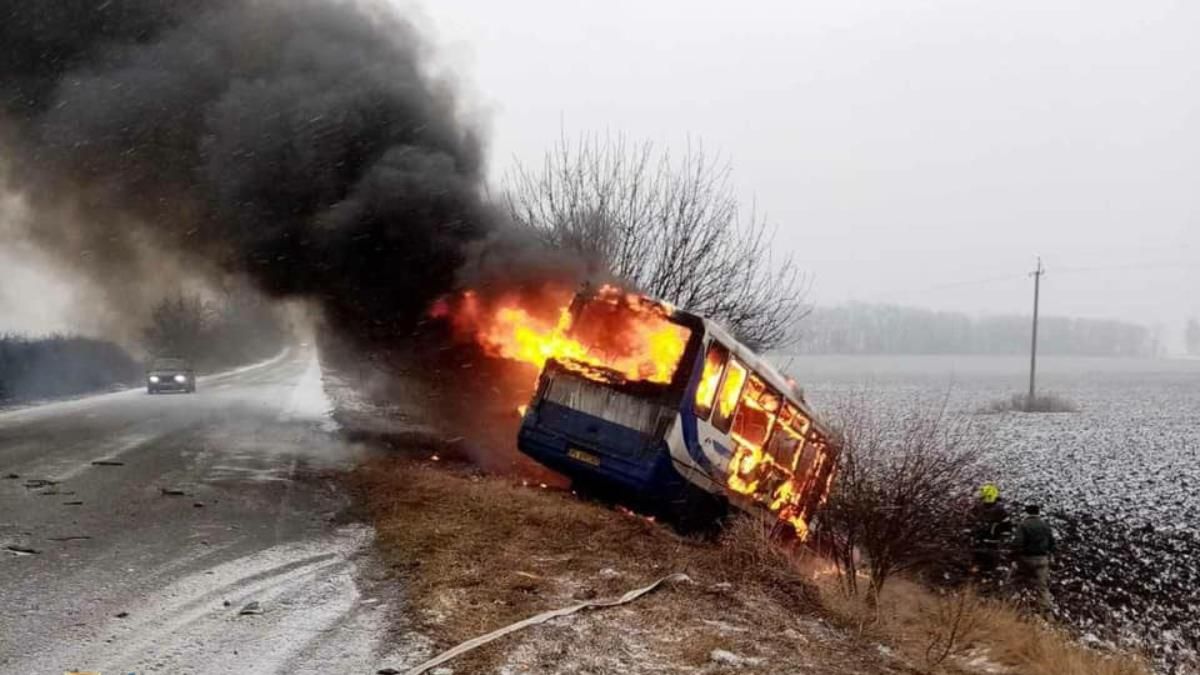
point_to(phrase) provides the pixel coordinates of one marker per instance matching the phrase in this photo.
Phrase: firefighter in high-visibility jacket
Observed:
(991, 527)
(1033, 545)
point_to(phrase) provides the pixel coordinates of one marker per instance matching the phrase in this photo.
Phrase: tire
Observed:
(697, 512)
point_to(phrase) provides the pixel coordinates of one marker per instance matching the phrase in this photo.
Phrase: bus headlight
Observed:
(181, 379)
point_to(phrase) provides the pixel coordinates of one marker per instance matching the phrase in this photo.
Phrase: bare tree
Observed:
(238, 327)
(904, 484)
(671, 227)
(178, 326)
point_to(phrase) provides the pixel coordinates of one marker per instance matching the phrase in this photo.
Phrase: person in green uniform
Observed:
(1033, 544)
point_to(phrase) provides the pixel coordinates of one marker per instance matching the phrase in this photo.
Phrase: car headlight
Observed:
(154, 379)
(181, 379)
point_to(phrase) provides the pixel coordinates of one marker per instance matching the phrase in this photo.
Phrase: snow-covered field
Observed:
(1120, 479)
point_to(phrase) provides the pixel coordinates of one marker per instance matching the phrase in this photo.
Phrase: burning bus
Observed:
(660, 407)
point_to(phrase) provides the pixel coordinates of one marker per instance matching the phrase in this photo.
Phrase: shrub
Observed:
(902, 494)
(61, 365)
(1040, 403)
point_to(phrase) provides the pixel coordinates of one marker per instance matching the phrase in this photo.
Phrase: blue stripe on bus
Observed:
(687, 416)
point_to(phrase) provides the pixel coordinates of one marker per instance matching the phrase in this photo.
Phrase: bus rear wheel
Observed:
(695, 511)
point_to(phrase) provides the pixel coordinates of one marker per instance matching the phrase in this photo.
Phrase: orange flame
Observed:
(706, 390)
(614, 336)
(768, 439)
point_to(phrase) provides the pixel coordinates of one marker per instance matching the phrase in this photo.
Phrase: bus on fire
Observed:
(667, 409)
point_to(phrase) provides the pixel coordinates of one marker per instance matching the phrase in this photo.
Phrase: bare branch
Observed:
(671, 227)
(904, 482)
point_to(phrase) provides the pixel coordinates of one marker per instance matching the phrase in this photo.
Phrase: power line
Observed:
(1060, 270)
(959, 284)
(1131, 266)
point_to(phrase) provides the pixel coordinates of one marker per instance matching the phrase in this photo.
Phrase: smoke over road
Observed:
(303, 144)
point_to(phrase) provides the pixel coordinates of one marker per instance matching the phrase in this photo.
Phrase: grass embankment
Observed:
(477, 553)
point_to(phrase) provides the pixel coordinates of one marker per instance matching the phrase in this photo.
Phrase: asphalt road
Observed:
(129, 575)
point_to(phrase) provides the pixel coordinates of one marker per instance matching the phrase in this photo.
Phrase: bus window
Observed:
(810, 465)
(788, 437)
(706, 390)
(730, 392)
(756, 415)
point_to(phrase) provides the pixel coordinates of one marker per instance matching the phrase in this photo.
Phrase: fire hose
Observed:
(542, 618)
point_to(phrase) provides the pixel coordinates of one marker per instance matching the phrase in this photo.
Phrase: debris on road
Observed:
(72, 503)
(198, 505)
(121, 615)
(12, 476)
(251, 608)
(22, 550)
(70, 537)
(107, 462)
(172, 492)
(37, 483)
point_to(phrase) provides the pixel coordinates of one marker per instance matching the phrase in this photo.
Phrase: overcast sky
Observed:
(905, 149)
(908, 151)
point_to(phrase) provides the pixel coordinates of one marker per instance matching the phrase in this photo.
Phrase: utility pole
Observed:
(1037, 283)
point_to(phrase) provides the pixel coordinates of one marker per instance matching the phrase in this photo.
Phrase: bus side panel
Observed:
(699, 451)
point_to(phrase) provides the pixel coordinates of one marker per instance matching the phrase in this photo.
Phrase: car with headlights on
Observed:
(170, 374)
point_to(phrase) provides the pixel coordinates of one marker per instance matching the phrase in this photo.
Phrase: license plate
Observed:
(585, 457)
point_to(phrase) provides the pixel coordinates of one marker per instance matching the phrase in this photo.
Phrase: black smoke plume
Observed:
(303, 143)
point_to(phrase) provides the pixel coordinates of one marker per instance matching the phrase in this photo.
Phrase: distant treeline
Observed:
(61, 365)
(890, 329)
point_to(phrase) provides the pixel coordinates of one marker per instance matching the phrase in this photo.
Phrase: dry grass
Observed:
(959, 631)
(476, 553)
